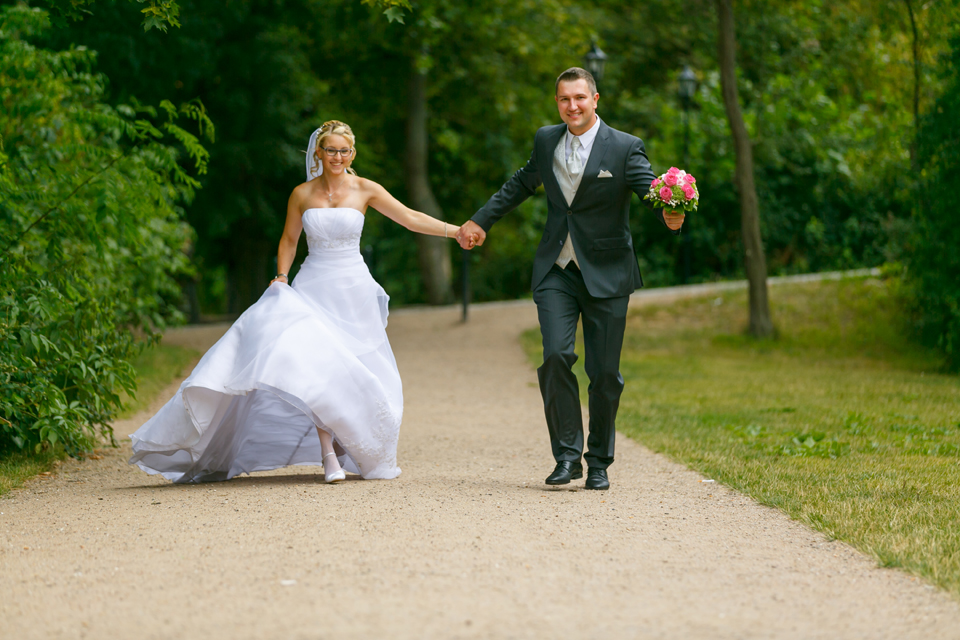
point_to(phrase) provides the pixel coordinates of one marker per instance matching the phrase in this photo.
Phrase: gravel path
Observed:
(468, 543)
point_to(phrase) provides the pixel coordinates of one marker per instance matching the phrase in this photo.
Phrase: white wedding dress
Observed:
(314, 354)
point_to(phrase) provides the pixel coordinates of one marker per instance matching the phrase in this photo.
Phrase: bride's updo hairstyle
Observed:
(335, 128)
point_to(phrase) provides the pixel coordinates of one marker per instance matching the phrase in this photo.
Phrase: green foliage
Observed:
(251, 68)
(157, 14)
(91, 235)
(826, 88)
(297, 72)
(393, 8)
(490, 71)
(933, 273)
(156, 368)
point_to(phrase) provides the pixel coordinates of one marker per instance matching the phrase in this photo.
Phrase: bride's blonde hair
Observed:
(335, 128)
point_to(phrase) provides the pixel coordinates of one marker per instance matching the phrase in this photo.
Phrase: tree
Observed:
(761, 326)
(91, 236)
(465, 52)
(825, 92)
(265, 108)
(435, 267)
(933, 263)
(916, 81)
(488, 76)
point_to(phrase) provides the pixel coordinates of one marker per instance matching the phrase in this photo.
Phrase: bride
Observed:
(306, 375)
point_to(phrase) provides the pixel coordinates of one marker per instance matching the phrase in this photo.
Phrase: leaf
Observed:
(394, 14)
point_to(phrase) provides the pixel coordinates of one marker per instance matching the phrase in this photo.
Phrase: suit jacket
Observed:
(598, 219)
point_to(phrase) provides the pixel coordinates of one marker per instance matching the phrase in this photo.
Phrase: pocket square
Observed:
(604, 174)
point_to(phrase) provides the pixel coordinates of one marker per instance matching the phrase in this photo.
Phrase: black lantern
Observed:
(688, 85)
(594, 62)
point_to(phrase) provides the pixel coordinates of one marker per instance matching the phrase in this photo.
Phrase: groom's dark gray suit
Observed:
(597, 220)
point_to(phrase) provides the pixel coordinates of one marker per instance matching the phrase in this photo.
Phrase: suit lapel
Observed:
(549, 179)
(600, 145)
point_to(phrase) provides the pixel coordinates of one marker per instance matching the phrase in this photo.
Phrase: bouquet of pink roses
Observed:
(675, 190)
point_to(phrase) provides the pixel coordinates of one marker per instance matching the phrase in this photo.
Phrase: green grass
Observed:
(17, 468)
(156, 368)
(841, 422)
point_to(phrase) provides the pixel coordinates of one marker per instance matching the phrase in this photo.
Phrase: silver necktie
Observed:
(573, 162)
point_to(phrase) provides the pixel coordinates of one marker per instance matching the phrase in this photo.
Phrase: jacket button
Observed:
(560, 243)
(569, 213)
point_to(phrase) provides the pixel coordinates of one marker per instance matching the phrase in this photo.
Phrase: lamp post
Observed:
(465, 283)
(594, 62)
(686, 90)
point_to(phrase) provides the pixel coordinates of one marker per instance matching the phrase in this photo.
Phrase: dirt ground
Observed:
(467, 543)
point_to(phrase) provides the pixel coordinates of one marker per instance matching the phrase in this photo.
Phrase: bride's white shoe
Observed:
(333, 476)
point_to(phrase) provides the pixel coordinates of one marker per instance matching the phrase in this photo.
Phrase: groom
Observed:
(585, 266)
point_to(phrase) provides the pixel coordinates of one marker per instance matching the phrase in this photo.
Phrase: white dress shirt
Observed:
(586, 142)
(567, 254)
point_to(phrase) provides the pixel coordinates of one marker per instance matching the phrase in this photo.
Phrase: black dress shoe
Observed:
(565, 472)
(597, 479)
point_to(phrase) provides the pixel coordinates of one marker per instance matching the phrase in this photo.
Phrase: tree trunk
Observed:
(248, 268)
(916, 86)
(435, 266)
(755, 261)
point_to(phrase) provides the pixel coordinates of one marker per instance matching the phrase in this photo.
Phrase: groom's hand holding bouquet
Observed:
(675, 191)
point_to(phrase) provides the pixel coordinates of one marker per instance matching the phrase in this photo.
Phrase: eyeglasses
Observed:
(331, 152)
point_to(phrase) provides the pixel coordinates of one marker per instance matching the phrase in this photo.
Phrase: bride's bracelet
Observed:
(445, 230)
(280, 275)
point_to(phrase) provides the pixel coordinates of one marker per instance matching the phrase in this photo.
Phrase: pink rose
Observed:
(688, 192)
(670, 179)
(673, 171)
(655, 182)
(666, 193)
(689, 179)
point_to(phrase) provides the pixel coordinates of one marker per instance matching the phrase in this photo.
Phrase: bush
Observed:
(91, 238)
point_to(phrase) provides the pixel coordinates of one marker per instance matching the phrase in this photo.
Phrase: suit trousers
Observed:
(562, 299)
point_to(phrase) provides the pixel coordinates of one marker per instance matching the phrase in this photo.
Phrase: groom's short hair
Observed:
(572, 75)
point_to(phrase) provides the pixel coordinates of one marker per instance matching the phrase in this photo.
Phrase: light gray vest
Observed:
(568, 186)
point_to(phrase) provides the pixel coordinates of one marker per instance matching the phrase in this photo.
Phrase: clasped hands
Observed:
(470, 235)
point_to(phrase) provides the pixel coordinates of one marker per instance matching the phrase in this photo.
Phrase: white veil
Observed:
(314, 168)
